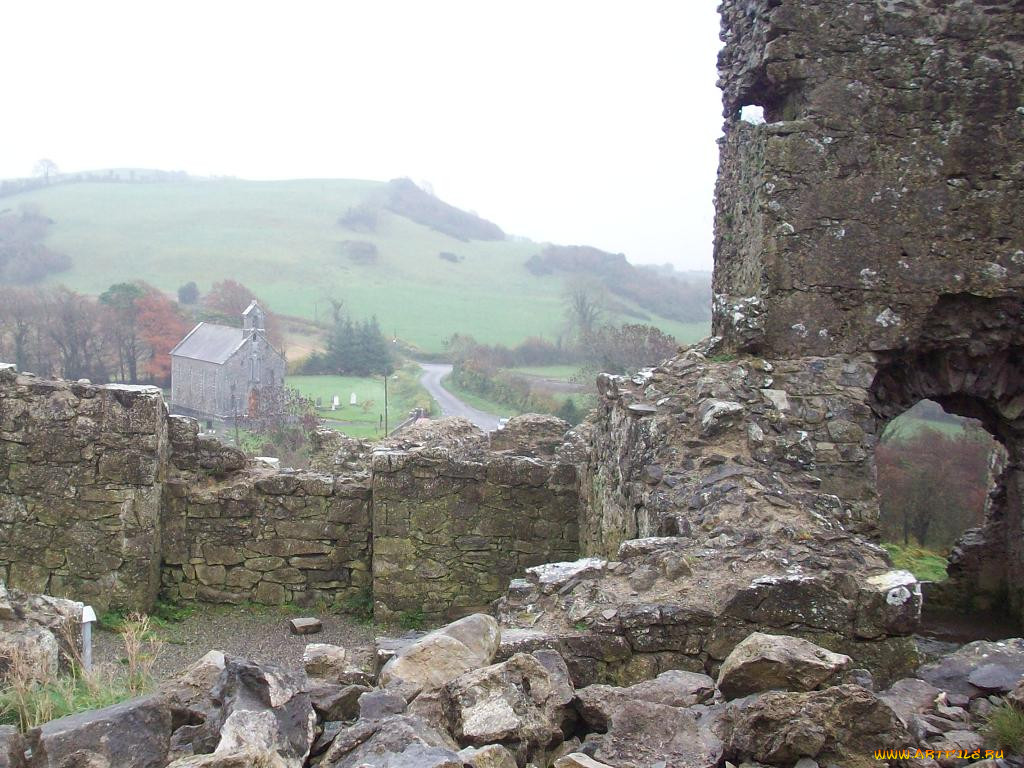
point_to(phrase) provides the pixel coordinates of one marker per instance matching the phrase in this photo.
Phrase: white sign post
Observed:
(88, 619)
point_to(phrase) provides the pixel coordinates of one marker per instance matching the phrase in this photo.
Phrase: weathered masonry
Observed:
(877, 212)
(106, 498)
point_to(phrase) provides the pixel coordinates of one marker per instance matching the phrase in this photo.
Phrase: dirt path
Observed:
(252, 632)
(450, 404)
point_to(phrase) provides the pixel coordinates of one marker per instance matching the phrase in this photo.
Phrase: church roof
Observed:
(209, 342)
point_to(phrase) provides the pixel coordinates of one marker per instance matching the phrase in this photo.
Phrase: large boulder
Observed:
(675, 688)
(325, 661)
(442, 655)
(909, 697)
(519, 703)
(264, 708)
(12, 748)
(399, 741)
(765, 662)
(978, 669)
(829, 726)
(132, 734)
(642, 733)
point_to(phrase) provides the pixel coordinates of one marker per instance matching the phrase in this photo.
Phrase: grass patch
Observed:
(480, 403)
(412, 619)
(925, 564)
(359, 605)
(1005, 727)
(363, 420)
(31, 696)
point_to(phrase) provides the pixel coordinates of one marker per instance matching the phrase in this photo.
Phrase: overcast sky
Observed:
(574, 121)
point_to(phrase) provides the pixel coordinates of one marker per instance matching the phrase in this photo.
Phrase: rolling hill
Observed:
(385, 249)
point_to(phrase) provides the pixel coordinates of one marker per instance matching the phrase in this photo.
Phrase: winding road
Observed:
(450, 404)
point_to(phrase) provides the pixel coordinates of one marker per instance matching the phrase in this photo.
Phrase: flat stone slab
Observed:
(305, 626)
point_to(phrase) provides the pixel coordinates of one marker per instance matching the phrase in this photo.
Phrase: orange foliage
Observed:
(161, 326)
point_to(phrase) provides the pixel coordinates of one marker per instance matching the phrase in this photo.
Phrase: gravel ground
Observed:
(260, 634)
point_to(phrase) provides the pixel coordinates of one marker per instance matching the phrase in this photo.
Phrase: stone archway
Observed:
(970, 360)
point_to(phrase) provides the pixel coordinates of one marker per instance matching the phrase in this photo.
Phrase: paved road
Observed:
(450, 404)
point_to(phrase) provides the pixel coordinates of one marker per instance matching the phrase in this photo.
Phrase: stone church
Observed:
(215, 369)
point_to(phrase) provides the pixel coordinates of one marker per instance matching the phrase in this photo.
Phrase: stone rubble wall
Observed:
(107, 499)
(887, 174)
(266, 537)
(674, 440)
(451, 531)
(80, 487)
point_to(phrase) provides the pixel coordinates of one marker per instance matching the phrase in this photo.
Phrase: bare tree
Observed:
(46, 168)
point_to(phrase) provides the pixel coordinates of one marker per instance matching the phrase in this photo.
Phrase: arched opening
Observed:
(970, 361)
(937, 480)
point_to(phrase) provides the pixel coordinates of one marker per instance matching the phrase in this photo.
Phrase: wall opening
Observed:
(938, 479)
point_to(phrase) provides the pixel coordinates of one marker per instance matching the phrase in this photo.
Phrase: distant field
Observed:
(282, 239)
(907, 426)
(557, 372)
(404, 394)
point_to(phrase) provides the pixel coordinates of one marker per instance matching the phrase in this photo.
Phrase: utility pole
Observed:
(385, 403)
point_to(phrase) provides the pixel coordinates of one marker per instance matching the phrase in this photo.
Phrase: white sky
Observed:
(574, 121)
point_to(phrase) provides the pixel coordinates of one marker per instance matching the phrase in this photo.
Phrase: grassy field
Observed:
(283, 240)
(923, 563)
(363, 420)
(556, 372)
(482, 403)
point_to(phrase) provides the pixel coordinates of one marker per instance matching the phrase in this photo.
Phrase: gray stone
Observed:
(1003, 660)
(398, 741)
(305, 626)
(994, 677)
(12, 748)
(333, 701)
(133, 734)
(781, 727)
(324, 661)
(910, 696)
(444, 654)
(765, 662)
(641, 734)
(260, 707)
(518, 703)
(377, 704)
(491, 756)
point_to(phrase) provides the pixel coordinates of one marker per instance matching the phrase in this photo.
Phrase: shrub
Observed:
(359, 604)
(1005, 727)
(411, 619)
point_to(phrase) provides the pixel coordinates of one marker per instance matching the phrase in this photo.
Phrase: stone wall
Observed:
(876, 212)
(450, 529)
(700, 428)
(80, 472)
(267, 537)
(888, 173)
(107, 499)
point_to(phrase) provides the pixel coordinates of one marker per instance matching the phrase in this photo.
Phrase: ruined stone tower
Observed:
(877, 212)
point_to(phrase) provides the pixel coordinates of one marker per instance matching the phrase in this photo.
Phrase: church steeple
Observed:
(252, 317)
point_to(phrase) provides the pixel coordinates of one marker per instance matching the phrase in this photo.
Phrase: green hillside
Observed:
(283, 240)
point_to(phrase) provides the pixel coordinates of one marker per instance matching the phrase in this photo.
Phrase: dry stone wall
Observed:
(451, 529)
(267, 537)
(107, 499)
(80, 489)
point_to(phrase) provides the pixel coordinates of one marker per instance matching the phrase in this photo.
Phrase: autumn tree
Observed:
(932, 484)
(229, 299)
(161, 326)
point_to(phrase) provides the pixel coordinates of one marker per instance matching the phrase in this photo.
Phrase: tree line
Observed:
(125, 334)
(933, 484)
